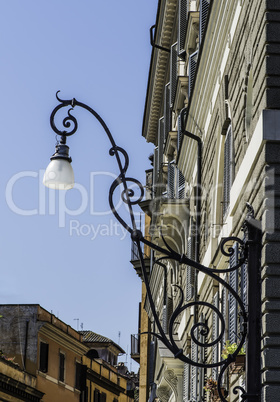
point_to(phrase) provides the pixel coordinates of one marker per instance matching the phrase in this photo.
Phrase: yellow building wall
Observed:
(49, 382)
(107, 380)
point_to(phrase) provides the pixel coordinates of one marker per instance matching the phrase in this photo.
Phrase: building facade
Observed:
(212, 112)
(53, 362)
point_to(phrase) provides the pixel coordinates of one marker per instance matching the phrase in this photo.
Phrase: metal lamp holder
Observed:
(249, 253)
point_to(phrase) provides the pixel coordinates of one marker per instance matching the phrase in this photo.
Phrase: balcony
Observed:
(135, 259)
(135, 347)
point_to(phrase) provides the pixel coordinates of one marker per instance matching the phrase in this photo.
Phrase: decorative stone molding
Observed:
(172, 381)
(163, 393)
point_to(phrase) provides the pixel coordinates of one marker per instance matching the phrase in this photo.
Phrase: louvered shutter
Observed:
(243, 290)
(179, 132)
(204, 8)
(227, 170)
(181, 185)
(194, 371)
(181, 127)
(201, 359)
(171, 180)
(151, 362)
(164, 319)
(190, 270)
(232, 303)
(155, 172)
(173, 73)
(182, 30)
(160, 148)
(244, 284)
(224, 310)
(167, 111)
(167, 312)
(192, 69)
(186, 382)
(215, 334)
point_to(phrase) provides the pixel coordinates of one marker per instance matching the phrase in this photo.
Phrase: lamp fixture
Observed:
(59, 175)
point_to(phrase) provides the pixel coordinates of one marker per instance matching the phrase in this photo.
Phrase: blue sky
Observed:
(75, 264)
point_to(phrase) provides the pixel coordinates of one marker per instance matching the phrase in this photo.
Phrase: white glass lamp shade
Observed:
(59, 175)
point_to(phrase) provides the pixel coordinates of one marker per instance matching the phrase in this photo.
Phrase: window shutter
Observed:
(224, 312)
(202, 359)
(182, 29)
(204, 8)
(155, 172)
(167, 312)
(171, 180)
(194, 371)
(190, 277)
(44, 357)
(81, 376)
(167, 111)
(186, 382)
(181, 185)
(227, 170)
(181, 127)
(173, 73)
(244, 284)
(179, 133)
(192, 69)
(151, 362)
(243, 289)
(232, 303)
(61, 366)
(215, 334)
(160, 144)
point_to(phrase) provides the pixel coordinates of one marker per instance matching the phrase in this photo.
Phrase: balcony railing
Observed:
(135, 347)
(135, 253)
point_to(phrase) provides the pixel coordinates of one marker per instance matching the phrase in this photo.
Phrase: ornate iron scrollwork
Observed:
(70, 126)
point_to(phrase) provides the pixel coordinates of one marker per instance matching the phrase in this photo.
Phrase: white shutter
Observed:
(173, 73)
(171, 180)
(215, 334)
(190, 274)
(186, 382)
(167, 111)
(192, 69)
(232, 303)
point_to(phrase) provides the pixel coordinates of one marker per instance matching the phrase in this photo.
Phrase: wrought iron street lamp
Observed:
(59, 175)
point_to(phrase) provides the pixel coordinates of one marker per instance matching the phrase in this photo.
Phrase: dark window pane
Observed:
(44, 357)
(61, 366)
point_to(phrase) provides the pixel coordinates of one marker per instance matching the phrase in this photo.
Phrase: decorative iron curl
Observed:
(68, 122)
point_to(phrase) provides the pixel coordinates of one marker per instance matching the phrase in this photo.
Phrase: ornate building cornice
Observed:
(158, 68)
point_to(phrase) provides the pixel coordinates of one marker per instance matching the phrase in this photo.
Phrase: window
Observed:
(99, 397)
(61, 375)
(44, 357)
(81, 376)
(96, 395)
(175, 182)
